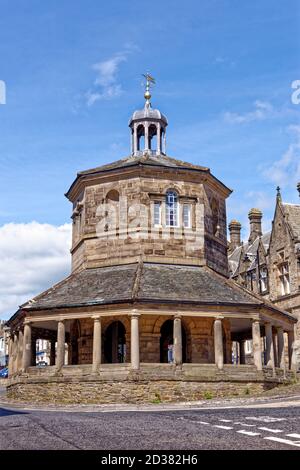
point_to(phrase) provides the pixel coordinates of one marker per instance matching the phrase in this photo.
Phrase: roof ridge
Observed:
(137, 280)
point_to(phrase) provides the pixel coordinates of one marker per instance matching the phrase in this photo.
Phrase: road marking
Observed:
(283, 441)
(265, 419)
(270, 430)
(249, 433)
(202, 422)
(222, 427)
(225, 420)
(245, 424)
(297, 436)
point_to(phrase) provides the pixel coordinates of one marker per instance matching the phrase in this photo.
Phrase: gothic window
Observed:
(263, 280)
(157, 213)
(250, 279)
(171, 209)
(186, 215)
(284, 279)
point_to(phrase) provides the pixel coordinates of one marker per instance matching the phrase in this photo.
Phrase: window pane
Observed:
(171, 209)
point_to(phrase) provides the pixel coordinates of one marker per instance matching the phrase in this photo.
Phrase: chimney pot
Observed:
(235, 234)
(255, 216)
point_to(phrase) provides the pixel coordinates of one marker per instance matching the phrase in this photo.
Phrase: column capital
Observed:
(134, 314)
(27, 322)
(96, 317)
(177, 316)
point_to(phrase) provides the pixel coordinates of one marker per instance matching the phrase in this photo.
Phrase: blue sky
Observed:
(73, 69)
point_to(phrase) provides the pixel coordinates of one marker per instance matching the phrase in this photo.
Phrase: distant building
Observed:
(4, 337)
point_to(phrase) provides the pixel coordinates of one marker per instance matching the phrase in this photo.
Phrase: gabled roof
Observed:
(292, 217)
(250, 250)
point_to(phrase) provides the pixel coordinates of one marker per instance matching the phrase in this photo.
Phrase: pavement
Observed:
(253, 423)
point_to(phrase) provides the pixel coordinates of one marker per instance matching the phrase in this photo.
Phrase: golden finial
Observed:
(150, 81)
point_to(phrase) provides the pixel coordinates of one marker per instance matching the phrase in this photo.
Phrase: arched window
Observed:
(171, 209)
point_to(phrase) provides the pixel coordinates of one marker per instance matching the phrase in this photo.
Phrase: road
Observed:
(276, 427)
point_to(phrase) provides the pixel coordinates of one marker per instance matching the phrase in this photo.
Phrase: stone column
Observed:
(218, 339)
(256, 344)
(164, 146)
(20, 349)
(16, 352)
(52, 352)
(177, 340)
(292, 359)
(146, 136)
(281, 354)
(60, 355)
(275, 349)
(158, 138)
(26, 346)
(242, 351)
(135, 342)
(270, 361)
(10, 361)
(97, 344)
(135, 140)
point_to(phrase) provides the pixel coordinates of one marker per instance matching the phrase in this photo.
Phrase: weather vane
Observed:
(150, 81)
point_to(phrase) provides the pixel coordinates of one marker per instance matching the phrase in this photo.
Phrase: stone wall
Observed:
(130, 392)
(97, 243)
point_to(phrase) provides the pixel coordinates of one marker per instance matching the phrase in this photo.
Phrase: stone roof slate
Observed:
(147, 159)
(142, 282)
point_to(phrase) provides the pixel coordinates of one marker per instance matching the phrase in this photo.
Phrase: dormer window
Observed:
(171, 209)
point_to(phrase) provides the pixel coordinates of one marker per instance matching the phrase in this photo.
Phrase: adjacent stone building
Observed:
(269, 264)
(149, 311)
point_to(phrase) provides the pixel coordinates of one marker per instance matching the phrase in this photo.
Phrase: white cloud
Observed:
(262, 110)
(286, 170)
(106, 84)
(33, 257)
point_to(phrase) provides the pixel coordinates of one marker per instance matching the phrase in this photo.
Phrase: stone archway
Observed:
(115, 343)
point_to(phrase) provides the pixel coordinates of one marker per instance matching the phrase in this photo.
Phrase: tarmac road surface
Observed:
(256, 427)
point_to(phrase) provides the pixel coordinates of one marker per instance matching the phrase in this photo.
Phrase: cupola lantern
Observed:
(148, 127)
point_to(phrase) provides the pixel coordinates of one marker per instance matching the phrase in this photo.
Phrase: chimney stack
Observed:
(255, 216)
(235, 234)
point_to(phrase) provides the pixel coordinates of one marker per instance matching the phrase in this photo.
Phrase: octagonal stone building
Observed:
(148, 311)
